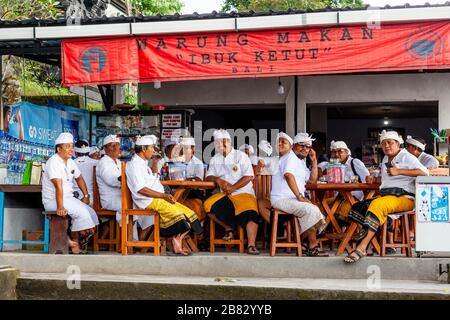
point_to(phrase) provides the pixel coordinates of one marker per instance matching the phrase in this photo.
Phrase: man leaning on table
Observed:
(399, 170)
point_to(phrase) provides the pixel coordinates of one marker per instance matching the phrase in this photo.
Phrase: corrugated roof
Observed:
(194, 16)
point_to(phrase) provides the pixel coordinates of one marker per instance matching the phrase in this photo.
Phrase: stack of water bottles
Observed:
(14, 155)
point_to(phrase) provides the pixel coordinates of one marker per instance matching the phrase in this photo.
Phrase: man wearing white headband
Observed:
(172, 153)
(288, 194)
(399, 170)
(250, 152)
(108, 173)
(232, 171)
(94, 153)
(353, 168)
(57, 193)
(176, 220)
(266, 165)
(86, 165)
(303, 149)
(416, 146)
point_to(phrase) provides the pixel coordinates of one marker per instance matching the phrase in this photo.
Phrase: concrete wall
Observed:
(376, 88)
(255, 91)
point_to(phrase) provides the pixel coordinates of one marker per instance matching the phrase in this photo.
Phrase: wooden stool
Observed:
(59, 242)
(288, 244)
(405, 230)
(213, 241)
(113, 239)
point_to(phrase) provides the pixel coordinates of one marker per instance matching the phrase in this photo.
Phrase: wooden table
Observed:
(183, 187)
(318, 195)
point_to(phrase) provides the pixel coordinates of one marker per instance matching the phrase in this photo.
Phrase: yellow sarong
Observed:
(242, 202)
(169, 213)
(383, 206)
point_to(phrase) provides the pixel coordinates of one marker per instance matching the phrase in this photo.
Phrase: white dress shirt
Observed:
(86, 166)
(195, 168)
(289, 163)
(108, 173)
(403, 160)
(55, 168)
(139, 175)
(428, 161)
(232, 168)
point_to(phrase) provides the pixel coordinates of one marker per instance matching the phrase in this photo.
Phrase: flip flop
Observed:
(353, 259)
(252, 250)
(179, 254)
(229, 235)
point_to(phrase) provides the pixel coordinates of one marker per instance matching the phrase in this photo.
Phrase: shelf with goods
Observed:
(438, 147)
(16, 155)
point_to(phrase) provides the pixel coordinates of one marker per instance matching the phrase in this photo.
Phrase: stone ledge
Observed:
(8, 283)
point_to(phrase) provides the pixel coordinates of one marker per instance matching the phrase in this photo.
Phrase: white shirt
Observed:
(270, 165)
(428, 161)
(232, 168)
(86, 166)
(108, 172)
(254, 160)
(139, 175)
(403, 160)
(289, 163)
(361, 171)
(195, 168)
(55, 168)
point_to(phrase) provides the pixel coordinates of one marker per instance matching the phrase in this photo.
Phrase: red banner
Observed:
(256, 54)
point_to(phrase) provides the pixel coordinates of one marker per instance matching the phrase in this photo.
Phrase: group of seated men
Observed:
(233, 172)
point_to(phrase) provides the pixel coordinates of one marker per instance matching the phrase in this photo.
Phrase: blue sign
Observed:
(43, 124)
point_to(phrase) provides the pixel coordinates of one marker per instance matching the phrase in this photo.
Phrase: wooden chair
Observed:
(262, 185)
(113, 239)
(274, 244)
(58, 233)
(213, 241)
(127, 228)
(406, 243)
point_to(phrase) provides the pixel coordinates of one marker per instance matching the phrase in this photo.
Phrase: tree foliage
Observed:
(26, 9)
(283, 5)
(154, 7)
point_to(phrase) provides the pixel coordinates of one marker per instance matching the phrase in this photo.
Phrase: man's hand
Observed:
(370, 179)
(229, 189)
(393, 171)
(62, 212)
(312, 155)
(85, 200)
(169, 198)
(223, 185)
(303, 199)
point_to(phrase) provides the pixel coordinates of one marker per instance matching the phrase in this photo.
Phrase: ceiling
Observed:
(414, 109)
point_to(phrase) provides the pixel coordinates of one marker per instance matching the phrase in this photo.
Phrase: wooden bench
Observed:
(59, 242)
(113, 239)
(127, 228)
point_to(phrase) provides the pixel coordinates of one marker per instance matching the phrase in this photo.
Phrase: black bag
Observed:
(398, 192)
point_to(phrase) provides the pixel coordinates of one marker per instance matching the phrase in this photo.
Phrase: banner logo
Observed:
(93, 59)
(423, 45)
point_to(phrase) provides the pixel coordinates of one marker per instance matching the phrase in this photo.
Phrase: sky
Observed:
(207, 6)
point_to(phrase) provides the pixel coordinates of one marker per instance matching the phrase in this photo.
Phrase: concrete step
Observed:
(233, 265)
(96, 286)
(8, 281)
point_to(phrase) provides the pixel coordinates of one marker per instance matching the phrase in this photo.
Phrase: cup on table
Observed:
(354, 179)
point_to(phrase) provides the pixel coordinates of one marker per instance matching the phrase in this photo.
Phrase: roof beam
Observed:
(167, 27)
(76, 31)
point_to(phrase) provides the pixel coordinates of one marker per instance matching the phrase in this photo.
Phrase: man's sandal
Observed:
(252, 250)
(354, 256)
(228, 235)
(315, 252)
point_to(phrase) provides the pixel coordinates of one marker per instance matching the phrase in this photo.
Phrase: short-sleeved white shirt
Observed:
(270, 165)
(195, 168)
(55, 168)
(361, 171)
(86, 166)
(109, 186)
(403, 160)
(139, 175)
(232, 168)
(428, 161)
(289, 163)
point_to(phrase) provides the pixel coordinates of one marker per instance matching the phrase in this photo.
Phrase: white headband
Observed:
(303, 137)
(146, 140)
(340, 145)
(221, 134)
(414, 142)
(266, 147)
(187, 141)
(247, 146)
(83, 149)
(112, 138)
(65, 137)
(93, 150)
(390, 135)
(285, 136)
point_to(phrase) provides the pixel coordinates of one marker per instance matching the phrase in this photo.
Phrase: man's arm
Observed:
(242, 182)
(394, 171)
(60, 210)
(155, 194)
(82, 185)
(292, 183)
(314, 168)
